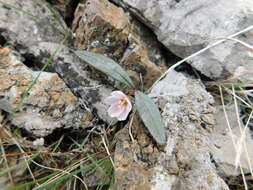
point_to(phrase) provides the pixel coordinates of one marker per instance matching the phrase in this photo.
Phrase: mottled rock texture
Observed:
(102, 27)
(184, 162)
(23, 30)
(66, 8)
(87, 85)
(49, 104)
(186, 26)
(36, 40)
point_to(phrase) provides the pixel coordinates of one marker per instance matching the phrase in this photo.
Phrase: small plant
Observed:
(120, 105)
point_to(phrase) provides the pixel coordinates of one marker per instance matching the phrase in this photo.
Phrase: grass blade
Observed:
(63, 178)
(28, 184)
(16, 166)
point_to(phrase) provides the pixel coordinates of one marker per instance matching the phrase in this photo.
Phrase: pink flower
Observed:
(120, 105)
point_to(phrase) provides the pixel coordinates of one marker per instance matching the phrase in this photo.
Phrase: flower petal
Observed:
(125, 112)
(129, 105)
(115, 110)
(120, 105)
(111, 100)
(123, 115)
(118, 94)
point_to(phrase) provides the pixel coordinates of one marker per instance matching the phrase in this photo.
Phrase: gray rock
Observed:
(222, 149)
(187, 109)
(49, 105)
(23, 30)
(38, 39)
(185, 27)
(184, 162)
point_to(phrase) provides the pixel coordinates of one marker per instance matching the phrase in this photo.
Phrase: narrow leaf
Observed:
(106, 65)
(28, 184)
(151, 117)
(68, 175)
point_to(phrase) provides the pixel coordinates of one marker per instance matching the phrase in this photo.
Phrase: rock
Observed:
(99, 26)
(185, 27)
(184, 162)
(39, 142)
(81, 79)
(77, 76)
(43, 43)
(49, 103)
(65, 7)
(222, 149)
(23, 31)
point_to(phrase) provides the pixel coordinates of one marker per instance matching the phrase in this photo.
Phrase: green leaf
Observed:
(106, 65)
(151, 117)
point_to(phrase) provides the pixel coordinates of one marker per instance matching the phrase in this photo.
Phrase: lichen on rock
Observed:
(49, 103)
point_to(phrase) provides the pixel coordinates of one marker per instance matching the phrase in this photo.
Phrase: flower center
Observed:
(123, 101)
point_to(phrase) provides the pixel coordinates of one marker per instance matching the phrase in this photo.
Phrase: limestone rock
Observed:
(102, 27)
(23, 30)
(185, 27)
(223, 151)
(49, 104)
(37, 41)
(184, 162)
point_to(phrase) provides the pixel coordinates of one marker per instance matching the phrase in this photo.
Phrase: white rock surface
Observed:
(25, 30)
(187, 107)
(225, 154)
(186, 26)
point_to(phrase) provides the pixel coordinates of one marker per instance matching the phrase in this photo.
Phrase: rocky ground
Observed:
(53, 120)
